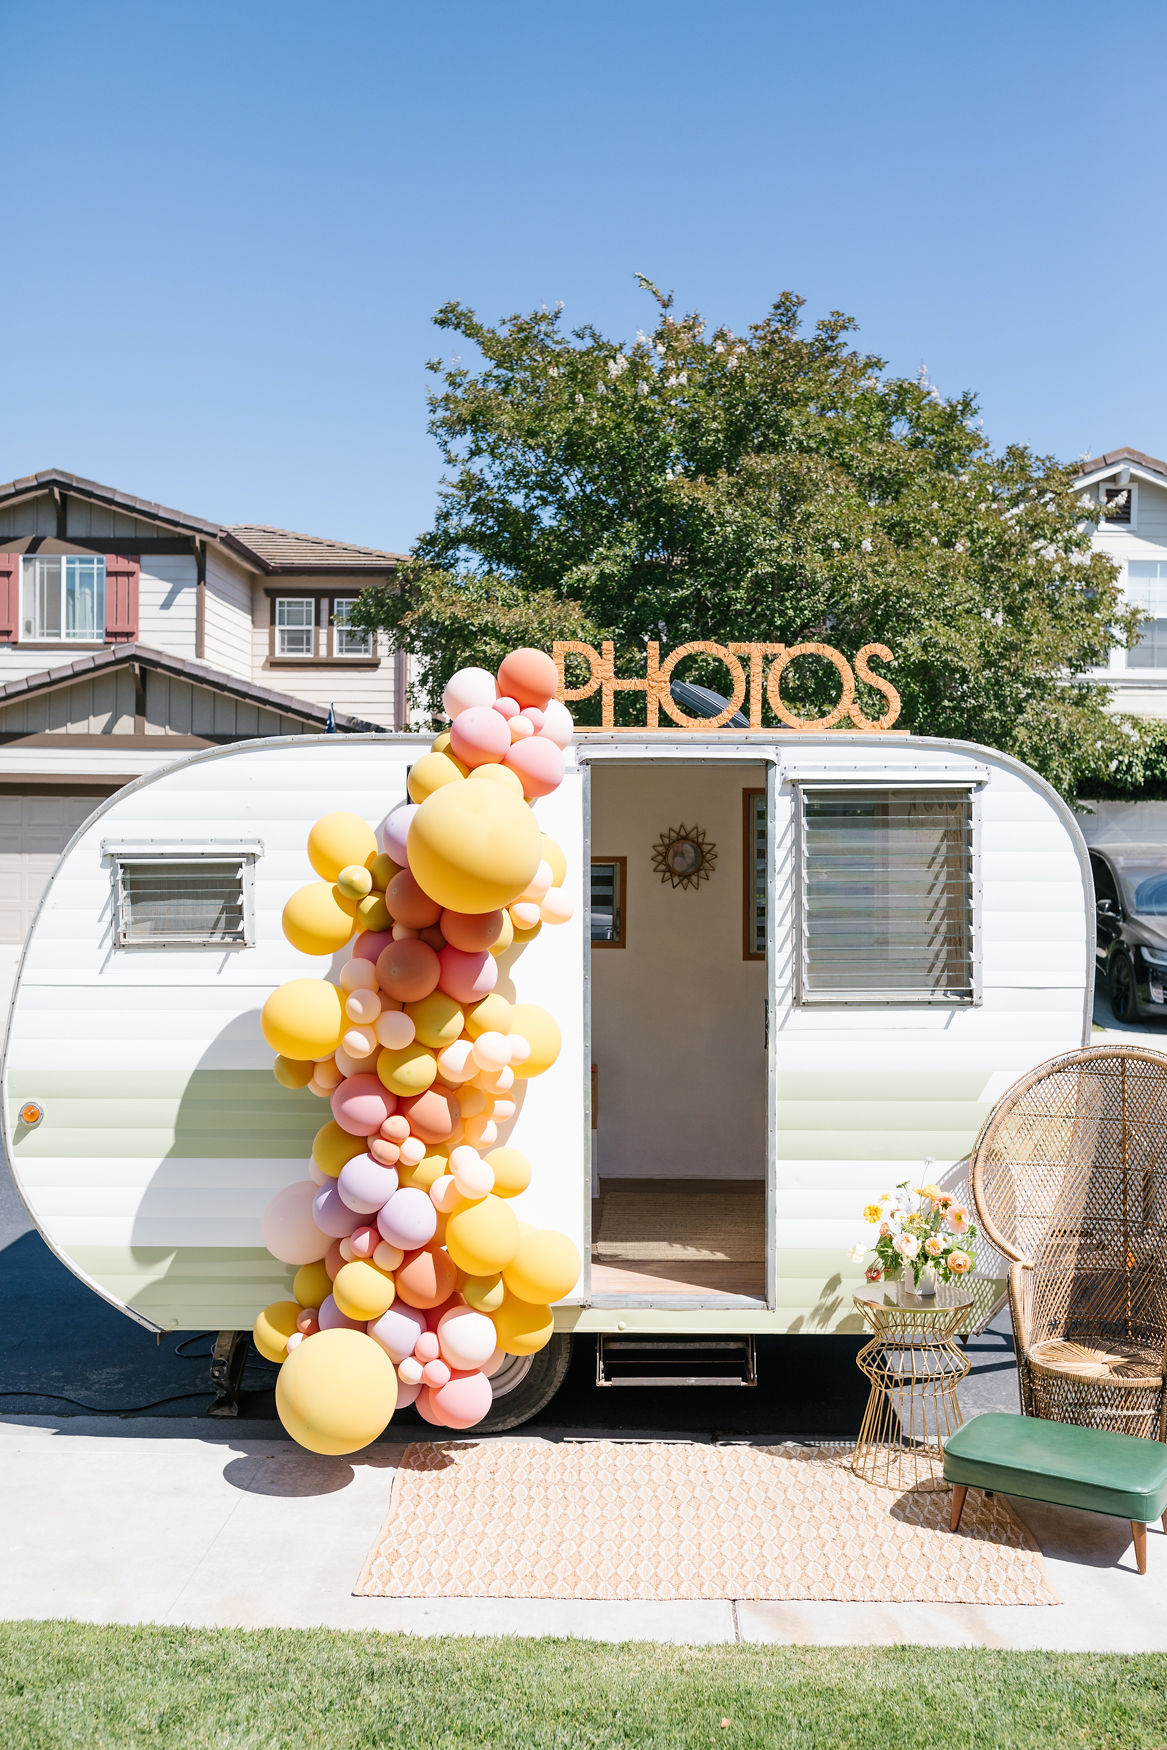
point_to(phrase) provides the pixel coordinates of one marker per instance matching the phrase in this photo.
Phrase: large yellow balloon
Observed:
(483, 1238)
(512, 1174)
(544, 1268)
(484, 1293)
(408, 1069)
(541, 1031)
(314, 922)
(437, 1019)
(291, 1073)
(337, 840)
(431, 772)
(312, 1284)
(273, 1327)
(499, 775)
(303, 1018)
(336, 1391)
(474, 847)
(554, 857)
(492, 1015)
(521, 1328)
(362, 1291)
(332, 1147)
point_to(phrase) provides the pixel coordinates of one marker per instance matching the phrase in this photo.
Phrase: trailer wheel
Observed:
(525, 1384)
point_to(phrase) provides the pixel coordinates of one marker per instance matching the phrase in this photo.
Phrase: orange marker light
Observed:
(32, 1113)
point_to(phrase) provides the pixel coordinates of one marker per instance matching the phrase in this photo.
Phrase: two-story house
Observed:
(1133, 488)
(131, 634)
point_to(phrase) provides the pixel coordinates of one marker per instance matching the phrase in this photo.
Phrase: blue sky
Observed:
(230, 223)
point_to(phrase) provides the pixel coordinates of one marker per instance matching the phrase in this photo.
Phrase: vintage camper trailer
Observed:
(800, 965)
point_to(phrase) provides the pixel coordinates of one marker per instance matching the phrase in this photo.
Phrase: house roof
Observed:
(266, 549)
(1099, 466)
(199, 674)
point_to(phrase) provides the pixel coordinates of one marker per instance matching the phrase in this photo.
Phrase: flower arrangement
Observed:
(936, 1234)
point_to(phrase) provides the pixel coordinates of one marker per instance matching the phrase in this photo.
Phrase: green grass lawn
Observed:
(77, 1684)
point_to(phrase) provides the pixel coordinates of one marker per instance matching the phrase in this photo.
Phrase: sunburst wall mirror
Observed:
(684, 856)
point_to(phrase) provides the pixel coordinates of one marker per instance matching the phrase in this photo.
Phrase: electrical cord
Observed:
(108, 1409)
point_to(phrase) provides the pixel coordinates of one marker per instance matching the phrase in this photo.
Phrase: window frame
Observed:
(620, 890)
(334, 651)
(324, 640)
(1142, 668)
(1131, 487)
(751, 798)
(88, 640)
(970, 996)
(158, 854)
(293, 655)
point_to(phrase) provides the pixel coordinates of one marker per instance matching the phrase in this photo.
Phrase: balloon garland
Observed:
(415, 1279)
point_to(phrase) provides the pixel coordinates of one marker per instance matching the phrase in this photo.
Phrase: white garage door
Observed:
(34, 830)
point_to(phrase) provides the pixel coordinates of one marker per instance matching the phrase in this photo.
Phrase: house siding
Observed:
(168, 599)
(367, 693)
(227, 639)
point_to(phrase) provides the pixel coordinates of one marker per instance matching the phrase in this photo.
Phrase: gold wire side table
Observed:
(914, 1367)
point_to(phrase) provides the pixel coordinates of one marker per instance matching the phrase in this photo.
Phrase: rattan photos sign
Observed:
(684, 856)
(1069, 1178)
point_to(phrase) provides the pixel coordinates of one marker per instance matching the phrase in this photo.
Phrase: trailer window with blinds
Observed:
(177, 899)
(608, 880)
(887, 896)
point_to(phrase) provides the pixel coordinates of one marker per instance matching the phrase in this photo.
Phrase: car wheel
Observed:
(1122, 988)
(525, 1384)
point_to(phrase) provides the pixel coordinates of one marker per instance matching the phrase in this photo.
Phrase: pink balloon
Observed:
(530, 676)
(464, 1401)
(407, 1394)
(332, 1319)
(467, 977)
(538, 763)
(395, 832)
(332, 1214)
(423, 1404)
(370, 943)
(507, 708)
(361, 1105)
(408, 1220)
(436, 1373)
(365, 1185)
(289, 1228)
(479, 737)
(534, 717)
(427, 1347)
(363, 1241)
(398, 1330)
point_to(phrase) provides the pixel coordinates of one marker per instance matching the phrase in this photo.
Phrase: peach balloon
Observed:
(524, 914)
(357, 975)
(520, 727)
(394, 1029)
(333, 1259)
(435, 1372)
(492, 1051)
(361, 1005)
(361, 1105)
(557, 907)
(537, 763)
(480, 736)
(408, 904)
(472, 932)
(427, 1278)
(456, 1062)
(431, 1115)
(409, 1371)
(463, 1401)
(528, 675)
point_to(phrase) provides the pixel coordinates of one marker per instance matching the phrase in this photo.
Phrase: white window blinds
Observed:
(165, 900)
(887, 895)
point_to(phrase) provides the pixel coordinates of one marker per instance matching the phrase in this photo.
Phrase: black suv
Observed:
(1130, 896)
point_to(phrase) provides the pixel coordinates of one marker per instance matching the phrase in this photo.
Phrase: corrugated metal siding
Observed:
(165, 1133)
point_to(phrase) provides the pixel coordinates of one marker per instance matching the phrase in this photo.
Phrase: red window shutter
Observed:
(121, 598)
(9, 597)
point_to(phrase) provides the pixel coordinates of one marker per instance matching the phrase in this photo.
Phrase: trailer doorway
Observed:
(678, 988)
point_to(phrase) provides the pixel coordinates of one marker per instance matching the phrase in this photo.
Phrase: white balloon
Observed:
(470, 686)
(557, 723)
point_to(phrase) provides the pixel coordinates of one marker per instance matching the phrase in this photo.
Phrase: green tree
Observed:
(774, 486)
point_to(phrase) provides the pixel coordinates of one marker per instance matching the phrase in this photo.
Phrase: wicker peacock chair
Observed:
(1069, 1178)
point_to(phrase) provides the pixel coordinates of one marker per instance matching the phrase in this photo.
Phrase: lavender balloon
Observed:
(398, 1330)
(365, 1185)
(332, 1214)
(332, 1319)
(408, 1220)
(395, 832)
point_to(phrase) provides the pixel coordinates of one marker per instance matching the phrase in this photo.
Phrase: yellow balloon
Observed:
(354, 883)
(303, 1019)
(483, 1238)
(499, 775)
(314, 922)
(484, 1293)
(553, 855)
(521, 1328)
(430, 1167)
(545, 1268)
(473, 847)
(441, 742)
(332, 1147)
(383, 869)
(522, 937)
(336, 1391)
(312, 1284)
(492, 1015)
(410, 1069)
(437, 1019)
(290, 1072)
(506, 937)
(337, 840)
(541, 1031)
(431, 772)
(372, 913)
(512, 1174)
(362, 1291)
(273, 1327)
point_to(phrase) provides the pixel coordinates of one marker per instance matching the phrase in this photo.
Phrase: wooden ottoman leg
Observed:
(1140, 1536)
(959, 1491)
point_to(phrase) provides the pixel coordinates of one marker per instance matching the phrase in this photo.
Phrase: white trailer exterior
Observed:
(164, 1134)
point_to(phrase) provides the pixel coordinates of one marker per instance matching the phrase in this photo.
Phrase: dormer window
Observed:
(1120, 504)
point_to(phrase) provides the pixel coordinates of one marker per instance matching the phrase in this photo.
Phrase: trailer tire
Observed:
(521, 1391)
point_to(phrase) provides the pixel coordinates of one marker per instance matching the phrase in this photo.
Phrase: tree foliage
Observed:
(778, 485)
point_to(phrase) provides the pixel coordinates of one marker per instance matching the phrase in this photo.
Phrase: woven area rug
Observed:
(609, 1519)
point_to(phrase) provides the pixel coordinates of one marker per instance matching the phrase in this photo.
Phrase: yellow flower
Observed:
(934, 1246)
(873, 1213)
(932, 1192)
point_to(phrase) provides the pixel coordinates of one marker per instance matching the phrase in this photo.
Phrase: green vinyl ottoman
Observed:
(1117, 1474)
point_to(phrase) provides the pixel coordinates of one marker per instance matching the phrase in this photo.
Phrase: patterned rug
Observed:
(611, 1519)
